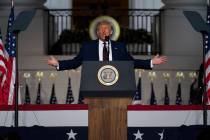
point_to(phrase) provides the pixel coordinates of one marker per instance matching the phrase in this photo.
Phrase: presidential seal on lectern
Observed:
(108, 75)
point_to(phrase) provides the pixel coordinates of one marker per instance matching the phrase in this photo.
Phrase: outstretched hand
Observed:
(157, 60)
(52, 61)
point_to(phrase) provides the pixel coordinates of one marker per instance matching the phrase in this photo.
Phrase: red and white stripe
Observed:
(207, 78)
(9, 78)
(207, 60)
(29, 115)
(165, 116)
(8, 81)
(3, 70)
(2, 59)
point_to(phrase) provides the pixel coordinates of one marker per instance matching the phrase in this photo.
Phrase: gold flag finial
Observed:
(179, 75)
(39, 75)
(152, 75)
(166, 76)
(26, 75)
(193, 75)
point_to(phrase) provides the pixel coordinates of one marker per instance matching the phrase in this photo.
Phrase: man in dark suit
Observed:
(104, 49)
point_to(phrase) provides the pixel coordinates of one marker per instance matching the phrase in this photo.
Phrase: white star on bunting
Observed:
(161, 135)
(71, 135)
(138, 135)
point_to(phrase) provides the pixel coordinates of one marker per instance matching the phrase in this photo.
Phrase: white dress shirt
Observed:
(100, 50)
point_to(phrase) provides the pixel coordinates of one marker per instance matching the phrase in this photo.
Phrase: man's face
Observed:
(103, 31)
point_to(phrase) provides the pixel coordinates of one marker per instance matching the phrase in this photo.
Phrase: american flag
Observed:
(179, 95)
(53, 99)
(153, 100)
(81, 99)
(207, 58)
(166, 98)
(137, 96)
(38, 97)
(27, 95)
(2, 68)
(69, 96)
(2, 58)
(193, 99)
(9, 79)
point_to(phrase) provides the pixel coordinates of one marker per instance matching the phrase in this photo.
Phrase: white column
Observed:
(22, 4)
(145, 4)
(58, 4)
(62, 22)
(142, 4)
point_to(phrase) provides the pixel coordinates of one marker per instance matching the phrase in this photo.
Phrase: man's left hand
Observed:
(157, 60)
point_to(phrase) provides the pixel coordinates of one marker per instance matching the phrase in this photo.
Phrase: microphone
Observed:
(106, 38)
(107, 42)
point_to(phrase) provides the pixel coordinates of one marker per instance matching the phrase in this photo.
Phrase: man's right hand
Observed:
(53, 62)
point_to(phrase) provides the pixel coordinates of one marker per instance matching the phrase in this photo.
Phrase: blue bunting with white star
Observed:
(167, 133)
(45, 133)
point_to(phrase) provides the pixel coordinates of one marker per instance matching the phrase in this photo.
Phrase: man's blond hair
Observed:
(103, 22)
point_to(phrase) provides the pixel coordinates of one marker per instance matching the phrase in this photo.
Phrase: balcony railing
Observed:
(68, 29)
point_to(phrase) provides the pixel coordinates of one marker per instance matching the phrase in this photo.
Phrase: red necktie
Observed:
(105, 53)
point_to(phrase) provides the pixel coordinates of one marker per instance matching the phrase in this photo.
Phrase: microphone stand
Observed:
(200, 26)
(20, 24)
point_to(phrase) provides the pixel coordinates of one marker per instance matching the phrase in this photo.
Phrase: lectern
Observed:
(108, 88)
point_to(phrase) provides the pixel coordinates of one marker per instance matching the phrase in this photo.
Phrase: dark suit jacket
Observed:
(89, 52)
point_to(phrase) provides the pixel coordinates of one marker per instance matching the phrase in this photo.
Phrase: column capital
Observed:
(184, 3)
(22, 4)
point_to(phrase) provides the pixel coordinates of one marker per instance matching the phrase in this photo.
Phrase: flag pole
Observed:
(20, 24)
(16, 82)
(16, 75)
(205, 99)
(204, 87)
